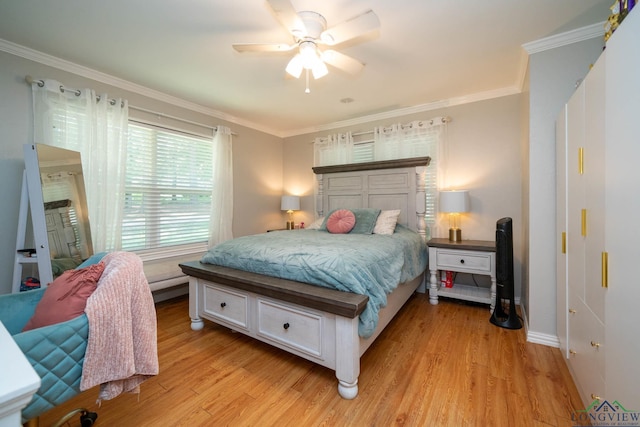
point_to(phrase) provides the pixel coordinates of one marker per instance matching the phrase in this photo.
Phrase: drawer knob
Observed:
(286, 326)
(223, 304)
(595, 344)
(595, 397)
(461, 261)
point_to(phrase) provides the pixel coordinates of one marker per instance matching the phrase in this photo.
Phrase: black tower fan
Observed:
(504, 277)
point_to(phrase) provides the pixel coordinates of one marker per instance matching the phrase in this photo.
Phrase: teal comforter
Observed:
(366, 264)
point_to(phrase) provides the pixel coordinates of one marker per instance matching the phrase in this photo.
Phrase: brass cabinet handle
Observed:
(595, 344)
(572, 352)
(605, 269)
(564, 242)
(595, 397)
(572, 311)
(580, 160)
(583, 219)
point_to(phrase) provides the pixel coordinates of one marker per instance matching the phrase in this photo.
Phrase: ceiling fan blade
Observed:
(288, 17)
(342, 61)
(263, 47)
(351, 28)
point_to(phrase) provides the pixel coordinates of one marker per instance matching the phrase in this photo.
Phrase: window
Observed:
(168, 187)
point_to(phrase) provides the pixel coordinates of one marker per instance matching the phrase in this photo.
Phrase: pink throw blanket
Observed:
(122, 349)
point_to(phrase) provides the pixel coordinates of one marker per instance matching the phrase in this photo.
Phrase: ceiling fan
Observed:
(311, 37)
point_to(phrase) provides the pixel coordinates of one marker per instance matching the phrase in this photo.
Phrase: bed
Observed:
(309, 315)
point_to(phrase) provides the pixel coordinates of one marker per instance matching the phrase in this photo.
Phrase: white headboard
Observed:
(389, 184)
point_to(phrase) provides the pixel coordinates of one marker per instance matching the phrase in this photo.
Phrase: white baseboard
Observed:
(537, 337)
(544, 339)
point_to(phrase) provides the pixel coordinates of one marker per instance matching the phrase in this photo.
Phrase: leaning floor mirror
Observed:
(58, 206)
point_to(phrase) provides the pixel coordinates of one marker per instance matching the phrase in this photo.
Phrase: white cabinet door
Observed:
(562, 303)
(595, 182)
(623, 207)
(575, 195)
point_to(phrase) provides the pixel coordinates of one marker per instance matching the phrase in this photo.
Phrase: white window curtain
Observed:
(333, 150)
(95, 126)
(221, 223)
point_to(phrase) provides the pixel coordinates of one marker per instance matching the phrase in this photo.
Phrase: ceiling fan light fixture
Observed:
(295, 66)
(319, 69)
(309, 53)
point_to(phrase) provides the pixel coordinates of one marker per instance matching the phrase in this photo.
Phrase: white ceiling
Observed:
(426, 51)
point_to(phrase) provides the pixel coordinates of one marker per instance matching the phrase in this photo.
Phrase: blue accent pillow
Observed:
(365, 220)
(93, 259)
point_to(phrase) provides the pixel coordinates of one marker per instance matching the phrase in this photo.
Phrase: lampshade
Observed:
(290, 203)
(454, 201)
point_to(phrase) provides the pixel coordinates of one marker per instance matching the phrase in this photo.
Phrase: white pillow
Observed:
(386, 222)
(316, 224)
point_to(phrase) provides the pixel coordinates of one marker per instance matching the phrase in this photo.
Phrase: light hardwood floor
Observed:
(443, 365)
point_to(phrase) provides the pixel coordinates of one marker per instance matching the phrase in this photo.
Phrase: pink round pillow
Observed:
(341, 221)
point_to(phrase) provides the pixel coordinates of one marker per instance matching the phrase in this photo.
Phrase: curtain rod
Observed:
(30, 80)
(433, 121)
(144, 110)
(77, 92)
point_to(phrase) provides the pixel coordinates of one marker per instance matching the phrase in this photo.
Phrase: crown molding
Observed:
(467, 99)
(89, 73)
(563, 39)
(61, 64)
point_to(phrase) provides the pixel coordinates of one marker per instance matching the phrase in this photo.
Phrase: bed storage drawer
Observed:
(290, 326)
(226, 305)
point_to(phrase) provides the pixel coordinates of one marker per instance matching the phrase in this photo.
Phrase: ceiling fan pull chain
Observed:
(307, 90)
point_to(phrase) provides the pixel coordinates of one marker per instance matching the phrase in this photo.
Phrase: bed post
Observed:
(421, 186)
(347, 356)
(319, 195)
(194, 304)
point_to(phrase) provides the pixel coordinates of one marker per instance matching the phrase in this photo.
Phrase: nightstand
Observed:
(466, 256)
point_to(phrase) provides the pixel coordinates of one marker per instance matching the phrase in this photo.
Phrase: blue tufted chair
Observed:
(56, 352)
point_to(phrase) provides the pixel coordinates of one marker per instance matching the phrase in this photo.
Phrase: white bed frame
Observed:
(316, 323)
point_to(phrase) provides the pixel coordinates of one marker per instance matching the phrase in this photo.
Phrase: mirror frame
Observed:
(33, 165)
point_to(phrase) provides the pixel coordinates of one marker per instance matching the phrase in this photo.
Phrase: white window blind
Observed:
(168, 187)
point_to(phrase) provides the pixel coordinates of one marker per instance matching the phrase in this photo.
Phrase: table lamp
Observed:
(454, 202)
(290, 204)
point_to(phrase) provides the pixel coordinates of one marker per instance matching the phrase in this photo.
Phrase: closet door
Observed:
(594, 179)
(574, 206)
(585, 217)
(622, 209)
(562, 294)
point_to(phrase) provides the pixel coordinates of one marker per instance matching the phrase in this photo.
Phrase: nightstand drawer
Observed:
(227, 305)
(463, 260)
(290, 326)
